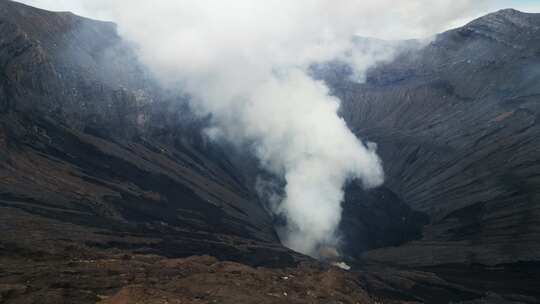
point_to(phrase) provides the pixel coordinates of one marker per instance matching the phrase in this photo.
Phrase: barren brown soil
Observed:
(149, 279)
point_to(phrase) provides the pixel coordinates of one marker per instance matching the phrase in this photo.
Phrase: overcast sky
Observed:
(526, 5)
(452, 13)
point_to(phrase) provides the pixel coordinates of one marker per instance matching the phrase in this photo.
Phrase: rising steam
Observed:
(246, 62)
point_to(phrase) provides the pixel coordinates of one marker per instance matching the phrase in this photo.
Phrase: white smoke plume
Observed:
(246, 62)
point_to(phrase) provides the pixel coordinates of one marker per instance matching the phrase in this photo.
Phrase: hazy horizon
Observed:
(93, 9)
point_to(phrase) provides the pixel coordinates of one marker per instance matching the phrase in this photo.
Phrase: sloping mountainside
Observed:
(92, 155)
(109, 194)
(457, 126)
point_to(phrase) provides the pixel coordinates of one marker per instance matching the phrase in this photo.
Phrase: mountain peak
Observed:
(510, 27)
(508, 11)
(507, 18)
(47, 26)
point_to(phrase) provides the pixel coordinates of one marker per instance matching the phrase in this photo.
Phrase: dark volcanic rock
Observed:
(377, 218)
(93, 152)
(457, 128)
(100, 168)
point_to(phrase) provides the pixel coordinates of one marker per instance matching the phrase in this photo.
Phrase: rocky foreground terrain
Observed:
(95, 277)
(109, 194)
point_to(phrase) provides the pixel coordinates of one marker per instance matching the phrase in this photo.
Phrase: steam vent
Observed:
(153, 157)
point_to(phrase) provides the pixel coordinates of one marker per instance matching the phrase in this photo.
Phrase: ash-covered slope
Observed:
(94, 154)
(457, 124)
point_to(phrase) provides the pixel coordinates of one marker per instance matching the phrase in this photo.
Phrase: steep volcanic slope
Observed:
(104, 178)
(100, 169)
(92, 154)
(457, 124)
